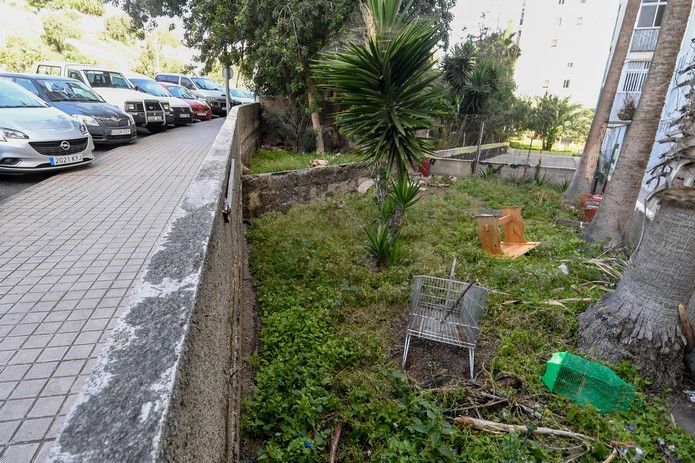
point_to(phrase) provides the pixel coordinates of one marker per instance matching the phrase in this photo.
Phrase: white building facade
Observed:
(563, 47)
(633, 77)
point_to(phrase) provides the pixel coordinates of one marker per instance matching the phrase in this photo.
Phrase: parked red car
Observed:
(201, 110)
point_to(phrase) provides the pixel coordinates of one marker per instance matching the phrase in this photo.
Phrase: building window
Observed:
(553, 43)
(560, 2)
(634, 75)
(559, 21)
(570, 65)
(582, 1)
(651, 13)
(580, 21)
(546, 84)
(566, 83)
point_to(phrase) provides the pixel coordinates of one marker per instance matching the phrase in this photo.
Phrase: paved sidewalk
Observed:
(71, 248)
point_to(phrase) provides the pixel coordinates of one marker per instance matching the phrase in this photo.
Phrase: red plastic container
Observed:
(589, 204)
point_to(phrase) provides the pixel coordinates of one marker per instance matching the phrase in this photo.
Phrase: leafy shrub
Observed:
(381, 245)
(58, 28)
(19, 54)
(91, 7)
(285, 126)
(120, 28)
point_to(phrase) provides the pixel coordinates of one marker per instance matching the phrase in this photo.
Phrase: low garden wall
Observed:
(164, 388)
(470, 152)
(451, 167)
(278, 191)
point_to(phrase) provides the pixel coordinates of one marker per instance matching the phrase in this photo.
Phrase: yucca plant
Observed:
(381, 245)
(386, 86)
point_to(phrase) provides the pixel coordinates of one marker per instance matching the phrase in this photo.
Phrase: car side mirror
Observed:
(137, 88)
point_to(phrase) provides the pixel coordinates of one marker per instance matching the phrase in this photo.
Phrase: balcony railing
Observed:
(645, 39)
(620, 111)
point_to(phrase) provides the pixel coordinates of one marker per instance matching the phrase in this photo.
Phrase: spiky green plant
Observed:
(381, 245)
(386, 86)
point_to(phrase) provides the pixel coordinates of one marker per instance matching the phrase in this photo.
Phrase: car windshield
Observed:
(69, 90)
(250, 95)
(150, 86)
(237, 93)
(204, 83)
(106, 79)
(14, 96)
(181, 92)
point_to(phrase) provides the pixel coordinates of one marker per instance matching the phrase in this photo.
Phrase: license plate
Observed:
(120, 132)
(185, 115)
(155, 118)
(62, 160)
(201, 114)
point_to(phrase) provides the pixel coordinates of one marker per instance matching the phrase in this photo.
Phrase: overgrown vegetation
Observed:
(120, 28)
(332, 330)
(91, 7)
(58, 28)
(275, 160)
(18, 54)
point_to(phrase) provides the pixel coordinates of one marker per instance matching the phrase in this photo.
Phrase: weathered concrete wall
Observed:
(469, 152)
(278, 191)
(163, 388)
(450, 167)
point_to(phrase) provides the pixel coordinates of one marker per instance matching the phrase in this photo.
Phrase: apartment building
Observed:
(634, 74)
(563, 47)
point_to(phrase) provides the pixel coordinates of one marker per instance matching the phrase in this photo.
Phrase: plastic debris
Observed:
(691, 395)
(639, 454)
(308, 444)
(564, 269)
(631, 427)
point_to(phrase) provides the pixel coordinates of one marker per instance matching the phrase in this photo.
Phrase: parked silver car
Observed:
(35, 137)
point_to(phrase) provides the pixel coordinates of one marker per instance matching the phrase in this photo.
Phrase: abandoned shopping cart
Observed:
(447, 311)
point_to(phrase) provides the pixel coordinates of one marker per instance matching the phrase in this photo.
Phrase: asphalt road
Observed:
(11, 184)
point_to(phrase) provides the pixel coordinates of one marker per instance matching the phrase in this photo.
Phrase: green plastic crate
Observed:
(587, 382)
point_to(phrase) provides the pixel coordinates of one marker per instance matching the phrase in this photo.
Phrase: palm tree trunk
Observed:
(614, 215)
(316, 120)
(639, 321)
(584, 176)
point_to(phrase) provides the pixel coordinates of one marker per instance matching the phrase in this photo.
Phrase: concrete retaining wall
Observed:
(469, 152)
(450, 167)
(163, 388)
(278, 191)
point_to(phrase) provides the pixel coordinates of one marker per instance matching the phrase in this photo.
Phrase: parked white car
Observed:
(36, 137)
(147, 110)
(202, 87)
(181, 113)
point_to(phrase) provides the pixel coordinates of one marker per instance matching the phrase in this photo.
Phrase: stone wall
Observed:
(278, 191)
(469, 152)
(163, 389)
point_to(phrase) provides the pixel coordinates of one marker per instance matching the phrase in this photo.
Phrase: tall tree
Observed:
(584, 176)
(639, 321)
(616, 211)
(551, 116)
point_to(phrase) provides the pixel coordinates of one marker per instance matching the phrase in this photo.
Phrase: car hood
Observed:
(176, 102)
(118, 96)
(40, 124)
(209, 93)
(90, 109)
(198, 104)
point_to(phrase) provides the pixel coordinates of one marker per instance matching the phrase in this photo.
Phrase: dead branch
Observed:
(686, 326)
(335, 441)
(492, 426)
(613, 455)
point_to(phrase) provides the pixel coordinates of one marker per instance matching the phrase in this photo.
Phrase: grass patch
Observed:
(275, 160)
(332, 333)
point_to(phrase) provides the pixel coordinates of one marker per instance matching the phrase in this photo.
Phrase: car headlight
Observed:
(130, 107)
(130, 119)
(11, 134)
(86, 120)
(83, 129)
(165, 106)
(210, 100)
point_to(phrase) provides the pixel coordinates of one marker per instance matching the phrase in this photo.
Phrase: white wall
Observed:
(586, 45)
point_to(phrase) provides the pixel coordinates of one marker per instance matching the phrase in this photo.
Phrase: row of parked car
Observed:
(51, 120)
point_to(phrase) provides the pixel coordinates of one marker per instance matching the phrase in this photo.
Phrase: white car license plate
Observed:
(120, 132)
(200, 114)
(62, 160)
(185, 115)
(155, 118)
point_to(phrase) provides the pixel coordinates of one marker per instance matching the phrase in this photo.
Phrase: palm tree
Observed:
(615, 213)
(386, 86)
(584, 176)
(639, 321)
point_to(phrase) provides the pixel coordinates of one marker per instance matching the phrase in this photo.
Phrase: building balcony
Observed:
(623, 107)
(644, 39)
